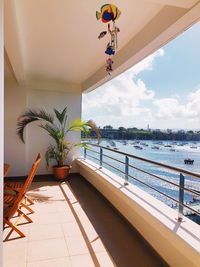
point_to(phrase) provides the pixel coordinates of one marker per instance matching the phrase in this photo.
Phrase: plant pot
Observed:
(61, 172)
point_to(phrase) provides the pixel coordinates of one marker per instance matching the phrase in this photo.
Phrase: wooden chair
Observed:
(14, 187)
(6, 169)
(14, 201)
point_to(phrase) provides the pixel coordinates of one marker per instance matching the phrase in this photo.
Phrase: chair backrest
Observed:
(31, 174)
(11, 211)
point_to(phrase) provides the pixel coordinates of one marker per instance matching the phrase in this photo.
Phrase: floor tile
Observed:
(97, 245)
(71, 229)
(62, 262)
(42, 232)
(14, 253)
(82, 261)
(75, 228)
(47, 249)
(76, 245)
(104, 259)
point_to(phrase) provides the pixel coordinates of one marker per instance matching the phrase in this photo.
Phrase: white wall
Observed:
(15, 150)
(20, 155)
(1, 126)
(37, 139)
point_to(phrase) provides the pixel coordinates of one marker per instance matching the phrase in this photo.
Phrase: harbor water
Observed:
(169, 153)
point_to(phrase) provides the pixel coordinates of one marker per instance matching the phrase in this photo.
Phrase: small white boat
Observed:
(138, 147)
(193, 147)
(155, 147)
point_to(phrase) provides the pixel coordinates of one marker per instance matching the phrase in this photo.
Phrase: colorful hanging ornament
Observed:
(102, 34)
(109, 68)
(109, 13)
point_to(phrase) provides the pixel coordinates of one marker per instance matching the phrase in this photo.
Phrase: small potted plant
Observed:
(58, 131)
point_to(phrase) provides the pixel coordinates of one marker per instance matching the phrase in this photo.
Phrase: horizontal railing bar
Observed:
(151, 161)
(158, 177)
(113, 167)
(107, 164)
(153, 175)
(93, 157)
(162, 179)
(182, 204)
(114, 159)
(132, 177)
(91, 150)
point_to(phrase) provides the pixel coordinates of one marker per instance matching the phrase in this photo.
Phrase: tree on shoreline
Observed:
(123, 133)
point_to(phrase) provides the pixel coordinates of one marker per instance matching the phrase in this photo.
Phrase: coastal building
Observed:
(169, 130)
(181, 131)
(52, 55)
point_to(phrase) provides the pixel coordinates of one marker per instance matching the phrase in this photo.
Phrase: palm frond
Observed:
(41, 115)
(91, 124)
(61, 116)
(77, 125)
(52, 130)
(21, 124)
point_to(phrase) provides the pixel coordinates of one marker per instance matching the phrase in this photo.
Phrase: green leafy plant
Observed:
(58, 131)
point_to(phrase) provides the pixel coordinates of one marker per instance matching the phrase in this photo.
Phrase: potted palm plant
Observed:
(58, 131)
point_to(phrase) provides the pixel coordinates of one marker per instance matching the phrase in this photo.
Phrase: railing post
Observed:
(181, 197)
(85, 152)
(126, 170)
(101, 157)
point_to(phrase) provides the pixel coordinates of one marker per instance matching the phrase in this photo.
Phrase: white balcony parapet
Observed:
(177, 242)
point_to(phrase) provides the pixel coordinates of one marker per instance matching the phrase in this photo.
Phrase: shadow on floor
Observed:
(125, 245)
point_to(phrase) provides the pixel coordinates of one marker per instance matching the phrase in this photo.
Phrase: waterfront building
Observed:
(169, 130)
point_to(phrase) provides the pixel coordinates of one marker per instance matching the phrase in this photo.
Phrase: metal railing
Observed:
(126, 173)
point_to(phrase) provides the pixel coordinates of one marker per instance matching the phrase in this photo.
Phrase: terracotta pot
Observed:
(61, 172)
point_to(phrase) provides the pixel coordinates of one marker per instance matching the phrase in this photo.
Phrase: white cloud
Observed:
(171, 108)
(146, 64)
(118, 102)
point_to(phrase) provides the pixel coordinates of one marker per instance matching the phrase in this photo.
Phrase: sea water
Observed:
(173, 156)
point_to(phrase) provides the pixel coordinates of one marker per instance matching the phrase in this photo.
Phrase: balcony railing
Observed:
(129, 171)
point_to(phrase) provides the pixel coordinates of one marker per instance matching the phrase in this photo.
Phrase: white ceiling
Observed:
(57, 40)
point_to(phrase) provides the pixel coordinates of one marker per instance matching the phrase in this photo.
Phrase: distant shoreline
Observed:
(140, 134)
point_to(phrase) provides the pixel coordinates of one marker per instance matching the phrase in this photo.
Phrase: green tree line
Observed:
(133, 133)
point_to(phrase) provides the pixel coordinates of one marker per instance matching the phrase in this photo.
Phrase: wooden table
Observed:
(6, 169)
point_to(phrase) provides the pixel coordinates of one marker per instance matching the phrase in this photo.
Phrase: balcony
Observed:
(74, 225)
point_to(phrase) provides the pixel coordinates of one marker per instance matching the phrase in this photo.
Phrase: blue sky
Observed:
(162, 90)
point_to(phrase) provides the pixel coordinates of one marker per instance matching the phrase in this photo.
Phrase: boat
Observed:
(138, 147)
(193, 147)
(155, 147)
(172, 149)
(115, 148)
(111, 143)
(181, 144)
(144, 144)
(188, 161)
(136, 142)
(167, 146)
(158, 143)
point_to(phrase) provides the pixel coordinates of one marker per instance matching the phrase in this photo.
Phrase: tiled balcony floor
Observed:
(73, 225)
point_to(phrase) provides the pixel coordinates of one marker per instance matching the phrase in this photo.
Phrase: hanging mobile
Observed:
(109, 13)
